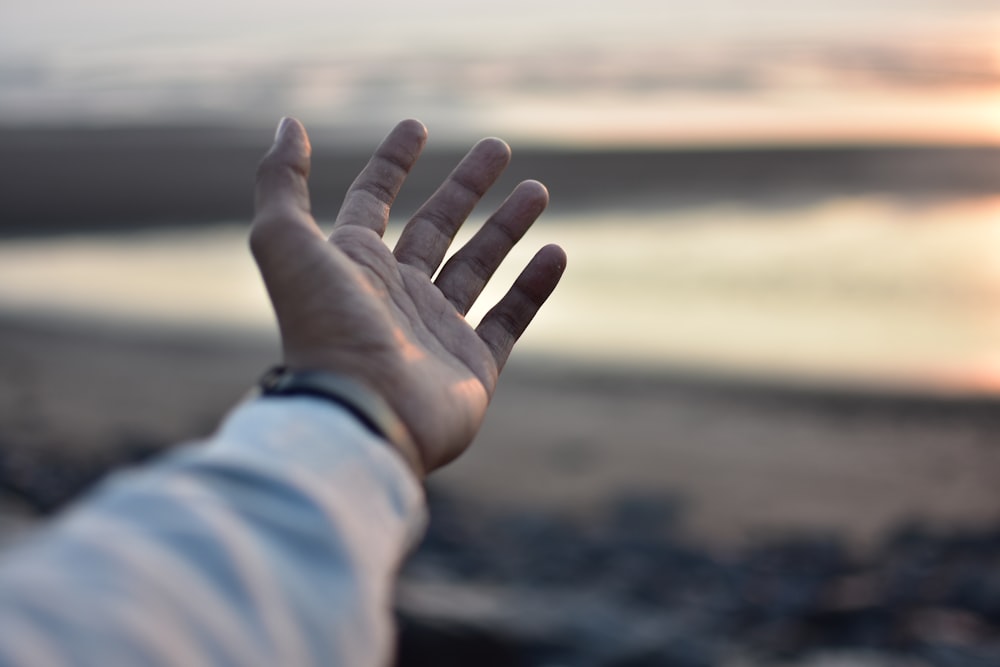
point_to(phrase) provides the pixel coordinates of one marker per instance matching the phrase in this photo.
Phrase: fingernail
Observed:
(282, 126)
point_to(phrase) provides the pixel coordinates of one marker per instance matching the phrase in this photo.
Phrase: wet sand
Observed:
(742, 461)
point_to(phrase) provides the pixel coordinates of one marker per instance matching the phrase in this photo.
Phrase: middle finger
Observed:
(427, 235)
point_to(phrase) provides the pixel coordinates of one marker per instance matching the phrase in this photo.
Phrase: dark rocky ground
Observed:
(630, 591)
(514, 582)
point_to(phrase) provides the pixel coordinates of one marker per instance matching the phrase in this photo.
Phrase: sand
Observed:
(742, 461)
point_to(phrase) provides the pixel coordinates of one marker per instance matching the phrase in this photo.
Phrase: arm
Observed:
(250, 549)
(277, 541)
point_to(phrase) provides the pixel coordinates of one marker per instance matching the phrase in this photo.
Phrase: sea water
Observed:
(871, 291)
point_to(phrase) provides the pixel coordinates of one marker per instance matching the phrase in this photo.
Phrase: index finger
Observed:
(369, 198)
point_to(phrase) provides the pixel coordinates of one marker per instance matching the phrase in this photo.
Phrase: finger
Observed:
(426, 237)
(371, 195)
(281, 194)
(465, 275)
(282, 175)
(504, 324)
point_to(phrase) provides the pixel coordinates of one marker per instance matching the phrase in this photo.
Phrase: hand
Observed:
(348, 305)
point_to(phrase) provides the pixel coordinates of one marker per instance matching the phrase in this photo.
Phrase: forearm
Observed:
(276, 542)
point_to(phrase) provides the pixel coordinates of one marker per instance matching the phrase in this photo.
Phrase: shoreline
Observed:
(59, 180)
(737, 460)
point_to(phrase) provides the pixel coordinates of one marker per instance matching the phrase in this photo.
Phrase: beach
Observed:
(582, 461)
(757, 423)
(745, 455)
(742, 459)
(694, 521)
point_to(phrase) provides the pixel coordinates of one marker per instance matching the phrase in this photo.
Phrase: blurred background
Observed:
(758, 418)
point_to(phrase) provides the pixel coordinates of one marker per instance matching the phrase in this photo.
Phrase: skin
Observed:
(347, 304)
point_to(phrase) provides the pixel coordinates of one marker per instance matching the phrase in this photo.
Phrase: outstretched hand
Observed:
(347, 304)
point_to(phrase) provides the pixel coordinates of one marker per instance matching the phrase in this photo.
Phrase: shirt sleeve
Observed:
(276, 542)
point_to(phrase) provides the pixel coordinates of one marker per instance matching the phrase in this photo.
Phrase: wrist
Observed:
(365, 404)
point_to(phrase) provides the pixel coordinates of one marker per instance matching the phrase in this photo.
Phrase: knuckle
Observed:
(396, 160)
(273, 169)
(266, 229)
(480, 269)
(266, 166)
(468, 186)
(260, 234)
(441, 221)
(508, 323)
(381, 192)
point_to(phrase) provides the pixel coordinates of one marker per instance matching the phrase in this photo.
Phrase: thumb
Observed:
(281, 194)
(282, 176)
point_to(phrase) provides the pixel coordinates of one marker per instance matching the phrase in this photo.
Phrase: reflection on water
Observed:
(856, 290)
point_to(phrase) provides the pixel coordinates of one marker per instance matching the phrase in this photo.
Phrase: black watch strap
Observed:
(370, 408)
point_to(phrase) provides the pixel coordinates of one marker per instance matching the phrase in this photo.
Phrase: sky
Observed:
(631, 72)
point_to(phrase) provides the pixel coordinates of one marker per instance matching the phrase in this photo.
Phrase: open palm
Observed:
(347, 304)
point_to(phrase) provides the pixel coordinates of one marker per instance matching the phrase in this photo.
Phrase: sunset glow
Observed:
(965, 119)
(640, 73)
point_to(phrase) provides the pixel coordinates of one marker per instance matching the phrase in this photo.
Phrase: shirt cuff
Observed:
(325, 450)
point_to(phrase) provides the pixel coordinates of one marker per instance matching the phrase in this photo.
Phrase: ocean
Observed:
(873, 275)
(866, 291)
